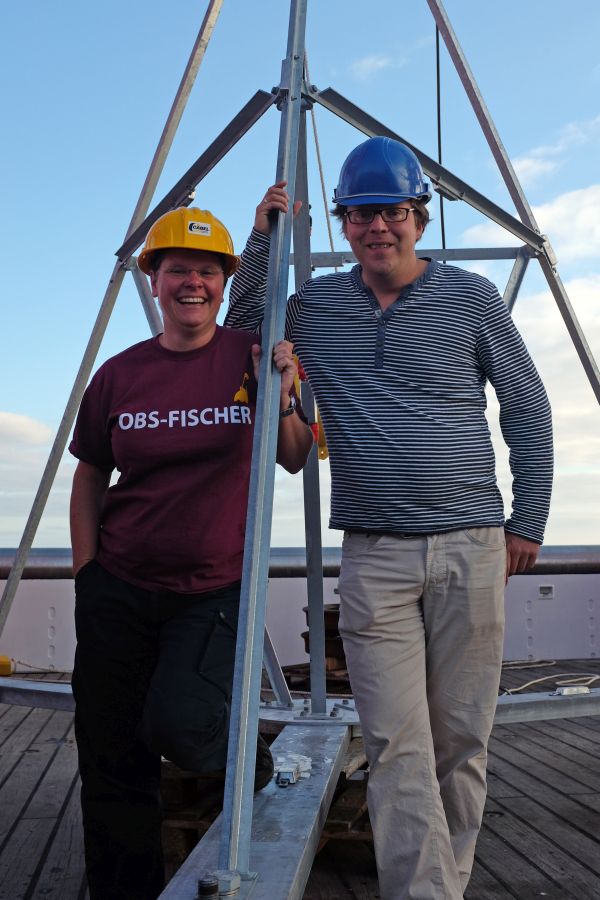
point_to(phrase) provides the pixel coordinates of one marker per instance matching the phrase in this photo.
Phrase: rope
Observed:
(320, 166)
(584, 679)
(439, 127)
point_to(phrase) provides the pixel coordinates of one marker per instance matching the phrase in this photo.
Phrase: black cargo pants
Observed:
(153, 676)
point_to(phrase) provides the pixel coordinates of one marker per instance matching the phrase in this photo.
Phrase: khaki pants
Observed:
(422, 620)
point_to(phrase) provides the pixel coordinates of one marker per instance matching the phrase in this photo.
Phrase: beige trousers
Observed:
(422, 620)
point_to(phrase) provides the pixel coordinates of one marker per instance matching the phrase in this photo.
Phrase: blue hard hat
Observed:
(381, 171)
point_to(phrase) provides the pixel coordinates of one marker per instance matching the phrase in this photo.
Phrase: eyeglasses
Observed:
(388, 214)
(184, 272)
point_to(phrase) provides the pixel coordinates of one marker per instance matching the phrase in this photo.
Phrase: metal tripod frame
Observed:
(292, 97)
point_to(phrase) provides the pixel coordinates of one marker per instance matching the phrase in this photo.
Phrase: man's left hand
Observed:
(521, 554)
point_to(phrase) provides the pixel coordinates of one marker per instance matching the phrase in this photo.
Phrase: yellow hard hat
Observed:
(188, 228)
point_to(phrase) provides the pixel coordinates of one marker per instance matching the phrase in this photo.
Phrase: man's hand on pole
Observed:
(275, 200)
(284, 362)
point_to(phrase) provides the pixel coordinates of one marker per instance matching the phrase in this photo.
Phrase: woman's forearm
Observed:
(87, 496)
(294, 440)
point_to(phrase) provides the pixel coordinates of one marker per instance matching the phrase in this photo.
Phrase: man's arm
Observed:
(526, 424)
(294, 437)
(87, 496)
(521, 554)
(249, 285)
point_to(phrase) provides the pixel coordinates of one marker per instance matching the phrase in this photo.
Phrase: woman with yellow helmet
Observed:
(157, 555)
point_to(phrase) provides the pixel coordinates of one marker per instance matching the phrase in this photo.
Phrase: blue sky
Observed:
(87, 89)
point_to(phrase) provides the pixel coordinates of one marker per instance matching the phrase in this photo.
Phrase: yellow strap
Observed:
(322, 451)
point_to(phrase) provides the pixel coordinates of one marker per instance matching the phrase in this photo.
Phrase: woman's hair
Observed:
(158, 256)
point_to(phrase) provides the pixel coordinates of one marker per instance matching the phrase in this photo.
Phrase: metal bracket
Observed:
(281, 95)
(548, 251)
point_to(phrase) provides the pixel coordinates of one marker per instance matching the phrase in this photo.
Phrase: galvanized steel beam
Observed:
(535, 706)
(177, 109)
(310, 473)
(145, 294)
(110, 296)
(286, 825)
(454, 188)
(60, 442)
(547, 258)
(484, 118)
(513, 285)
(275, 673)
(237, 807)
(444, 181)
(573, 327)
(37, 694)
(182, 192)
(543, 706)
(331, 259)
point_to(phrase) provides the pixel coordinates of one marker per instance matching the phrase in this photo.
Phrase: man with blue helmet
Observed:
(398, 352)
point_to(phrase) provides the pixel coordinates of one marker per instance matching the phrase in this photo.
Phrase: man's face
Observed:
(189, 285)
(383, 248)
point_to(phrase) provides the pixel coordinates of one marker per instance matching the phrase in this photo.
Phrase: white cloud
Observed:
(368, 66)
(545, 159)
(427, 40)
(529, 168)
(572, 221)
(22, 430)
(24, 448)
(288, 510)
(538, 318)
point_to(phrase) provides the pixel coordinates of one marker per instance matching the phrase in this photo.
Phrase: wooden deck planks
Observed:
(62, 875)
(20, 857)
(540, 835)
(38, 772)
(541, 830)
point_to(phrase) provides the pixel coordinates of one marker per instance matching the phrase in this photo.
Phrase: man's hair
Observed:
(420, 207)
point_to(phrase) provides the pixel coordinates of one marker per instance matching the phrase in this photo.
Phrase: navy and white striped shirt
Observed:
(402, 396)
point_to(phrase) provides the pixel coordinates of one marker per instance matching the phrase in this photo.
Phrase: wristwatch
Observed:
(291, 409)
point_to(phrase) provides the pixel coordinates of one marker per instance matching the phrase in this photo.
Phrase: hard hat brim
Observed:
(370, 199)
(231, 263)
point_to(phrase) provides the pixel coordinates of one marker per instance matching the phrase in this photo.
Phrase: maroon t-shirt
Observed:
(178, 427)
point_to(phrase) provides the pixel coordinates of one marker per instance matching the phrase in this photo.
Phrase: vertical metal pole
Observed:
(103, 317)
(310, 473)
(237, 805)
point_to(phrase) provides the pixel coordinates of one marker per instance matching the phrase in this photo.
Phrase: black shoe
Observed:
(264, 765)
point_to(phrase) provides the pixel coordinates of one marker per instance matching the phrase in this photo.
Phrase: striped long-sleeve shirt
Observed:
(401, 393)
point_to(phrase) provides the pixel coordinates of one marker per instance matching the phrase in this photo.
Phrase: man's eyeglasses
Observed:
(388, 214)
(184, 271)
